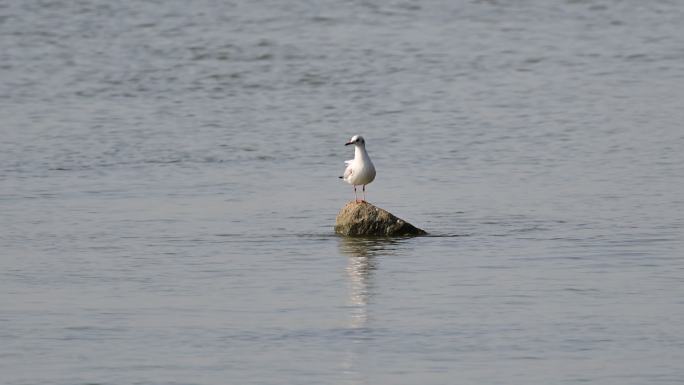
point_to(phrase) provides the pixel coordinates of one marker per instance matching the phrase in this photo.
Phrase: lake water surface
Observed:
(168, 189)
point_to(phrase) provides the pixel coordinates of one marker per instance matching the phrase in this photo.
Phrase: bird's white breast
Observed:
(362, 172)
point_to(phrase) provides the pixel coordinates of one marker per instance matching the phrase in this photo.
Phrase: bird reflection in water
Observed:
(361, 264)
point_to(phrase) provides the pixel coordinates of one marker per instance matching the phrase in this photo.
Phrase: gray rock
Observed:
(362, 218)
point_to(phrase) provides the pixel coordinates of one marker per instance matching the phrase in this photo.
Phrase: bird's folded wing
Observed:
(347, 172)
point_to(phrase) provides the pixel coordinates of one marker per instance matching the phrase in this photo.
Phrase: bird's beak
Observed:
(348, 143)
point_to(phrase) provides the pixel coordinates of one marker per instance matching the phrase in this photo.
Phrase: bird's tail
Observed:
(341, 177)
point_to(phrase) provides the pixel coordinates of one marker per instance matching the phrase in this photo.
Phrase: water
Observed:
(168, 187)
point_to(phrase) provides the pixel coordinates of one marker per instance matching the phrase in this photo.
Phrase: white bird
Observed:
(360, 170)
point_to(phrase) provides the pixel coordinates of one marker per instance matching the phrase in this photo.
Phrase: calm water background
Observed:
(168, 186)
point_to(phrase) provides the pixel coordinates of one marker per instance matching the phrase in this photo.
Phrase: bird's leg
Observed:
(364, 193)
(356, 198)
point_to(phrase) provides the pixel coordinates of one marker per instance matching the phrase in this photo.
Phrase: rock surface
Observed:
(362, 218)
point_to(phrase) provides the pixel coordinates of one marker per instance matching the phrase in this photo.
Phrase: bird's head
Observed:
(357, 140)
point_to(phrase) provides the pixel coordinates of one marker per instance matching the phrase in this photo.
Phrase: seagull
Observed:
(360, 170)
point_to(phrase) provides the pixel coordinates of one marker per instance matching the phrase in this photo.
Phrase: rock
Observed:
(362, 218)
